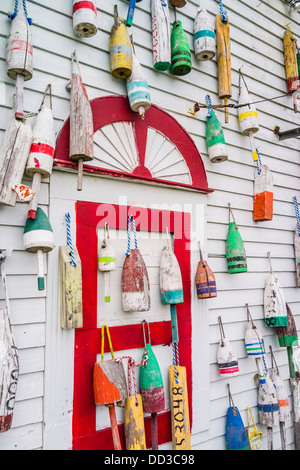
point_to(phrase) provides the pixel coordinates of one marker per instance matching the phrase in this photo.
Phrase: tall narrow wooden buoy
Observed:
(290, 61)
(235, 250)
(223, 58)
(40, 160)
(263, 194)
(13, 157)
(151, 386)
(137, 87)
(297, 241)
(9, 357)
(81, 122)
(235, 433)
(19, 56)
(171, 288)
(107, 261)
(120, 48)
(205, 280)
(274, 301)
(204, 36)
(84, 18)
(181, 62)
(215, 140)
(38, 238)
(226, 357)
(135, 280)
(110, 386)
(161, 34)
(180, 418)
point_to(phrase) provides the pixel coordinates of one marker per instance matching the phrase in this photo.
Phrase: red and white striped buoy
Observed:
(84, 18)
(263, 194)
(226, 357)
(40, 161)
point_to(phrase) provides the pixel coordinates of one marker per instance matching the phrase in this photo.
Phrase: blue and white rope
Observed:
(208, 103)
(174, 362)
(223, 13)
(14, 14)
(258, 162)
(297, 214)
(69, 238)
(131, 218)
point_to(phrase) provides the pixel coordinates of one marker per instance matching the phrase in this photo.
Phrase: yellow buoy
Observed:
(120, 48)
(224, 60)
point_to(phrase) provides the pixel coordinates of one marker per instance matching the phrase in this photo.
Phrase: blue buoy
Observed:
(236, 436)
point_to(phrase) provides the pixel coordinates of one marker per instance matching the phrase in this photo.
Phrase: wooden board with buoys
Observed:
(84, 18)
(38, 238)
(235, 250)
(70, 283)
(120, 50)
(297, 241)
(204, 36)
(106, 261)
(181, 62)
(223, 57)
(137, 87)
(290, 60)
(215, 140)
(41, 156)
(235, 432)
(205, 280)
(110, 385)
(226, 357)
(161, 34)
(253, 434)
(151, 386)
(81, 122)
(135, 280)
(263, 192)
(275, 311)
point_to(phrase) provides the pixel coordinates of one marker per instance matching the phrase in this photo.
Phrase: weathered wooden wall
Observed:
(256, 43)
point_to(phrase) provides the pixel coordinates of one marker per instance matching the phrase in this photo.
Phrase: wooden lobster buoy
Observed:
(287, 335)
(135, 280)
(40, 160)
(120, 48)
(107, 261)
(274, 301)
(181, 62)
(263, 194)
(130, 13)
(297, 241)
(137, 88)
(235, 250)
(226, 357)
(151, 386)
(215, 140)
(161, 35)
(81, 123)
(205, 280)
(38, 238)
(180, 419)
(19, 56)
(110, 385)
(178, 3)
(84, 18)
(171, 288)
(254, 342)
(268, 408)
(204, 36)
(235, 433)
(290, 61)
(224, 59)
(13, 157)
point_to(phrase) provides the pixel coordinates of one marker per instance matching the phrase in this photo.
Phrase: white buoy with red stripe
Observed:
(40, 160)
(84, 18)
(19, 56)
(226, 357)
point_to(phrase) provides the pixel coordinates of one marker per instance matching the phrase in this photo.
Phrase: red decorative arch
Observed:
(112, 109)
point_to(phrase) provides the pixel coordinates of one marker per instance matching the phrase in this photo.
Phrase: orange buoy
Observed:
(205, 280)
(263, 194)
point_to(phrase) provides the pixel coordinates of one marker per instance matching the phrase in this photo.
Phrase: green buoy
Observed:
(181, 62)
(235, 251)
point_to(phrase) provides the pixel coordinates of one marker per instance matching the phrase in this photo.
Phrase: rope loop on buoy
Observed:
(69, 238)
(103, 328)
(231, 213)
(221, 328)
(48, 87)
(208, 103)
(15, 13)
(223, 12)
(258, 162)
(131, 218)
(297, 213)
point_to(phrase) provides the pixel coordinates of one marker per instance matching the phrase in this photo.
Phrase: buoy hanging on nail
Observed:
(38, 238)
(84, 18)
(254, 342)
(235, 432)
(135, 280)
(137, 87)
(263, 192)
(181, 62)
(215, 140)
(40, 160)
(204, 36)
(13, 157)
(297, 241)
(235, 250)
(81, 122)
(287, 335)
(205, 280)
(226, 357)
(107, 261)
(161, 34)
(274, 301)
(120, 48)
(223, 57)
(290, 61)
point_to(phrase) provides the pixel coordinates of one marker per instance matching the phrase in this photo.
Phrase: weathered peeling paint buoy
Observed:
(181, 62)
(254, 342)
(120, 48)
(297, 241)
(226, 357)
(215, 140)
(84, 18)
(204, 36)
(263, 194)
(235, 250)
(235, 432)
(290, 61)
(106, 261)
(161, 34)
(223, 58)
(274, 302)
(205, 280)
(137, 87)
